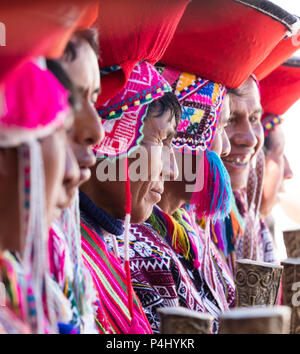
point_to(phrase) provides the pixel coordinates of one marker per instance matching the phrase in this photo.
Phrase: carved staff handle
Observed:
(256, 320)
(179, 320)
(257, 283)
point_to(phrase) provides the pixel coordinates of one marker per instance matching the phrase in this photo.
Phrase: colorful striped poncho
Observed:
(112, 312)
(211, 264)
(14, 318)
(200, 258)
(158, 276)
(70, 280)
(226, 235)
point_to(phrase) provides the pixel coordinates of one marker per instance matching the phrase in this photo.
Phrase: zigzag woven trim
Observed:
(139, 99)
(197, 85)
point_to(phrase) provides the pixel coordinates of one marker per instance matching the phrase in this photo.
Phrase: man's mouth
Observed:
(85, 164)
(239, 161)
(156, 193)
(85, 174)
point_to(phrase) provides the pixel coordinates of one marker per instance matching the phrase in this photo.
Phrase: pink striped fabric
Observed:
(110, 283)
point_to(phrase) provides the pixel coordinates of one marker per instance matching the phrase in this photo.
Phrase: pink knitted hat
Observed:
(32, 105)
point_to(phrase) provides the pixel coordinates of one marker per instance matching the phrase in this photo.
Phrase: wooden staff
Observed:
(179, 320)
(257, 283)
(256, 320)
(291, 290)
(292, 243)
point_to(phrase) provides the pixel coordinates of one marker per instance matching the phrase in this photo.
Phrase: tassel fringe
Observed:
(214, 200)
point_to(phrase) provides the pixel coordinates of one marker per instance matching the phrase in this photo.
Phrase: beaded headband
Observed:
(270, 122)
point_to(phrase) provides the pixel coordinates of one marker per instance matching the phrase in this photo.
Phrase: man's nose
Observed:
(245, 135)
(288, 173)
(72, 171)
(226, 146)
(88, 126)
(169, 165)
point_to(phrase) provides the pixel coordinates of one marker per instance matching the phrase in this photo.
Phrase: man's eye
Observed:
(69, 131)
(94, 100)
(253, 119)
(168, 141)
(230, 121)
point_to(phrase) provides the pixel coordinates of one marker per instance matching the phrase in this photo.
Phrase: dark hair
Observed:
(57, 70)
(268, 143)
(167, 102)
(90, 35)
(243, 90)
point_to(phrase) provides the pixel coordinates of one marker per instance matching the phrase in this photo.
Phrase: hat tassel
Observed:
(135, 328)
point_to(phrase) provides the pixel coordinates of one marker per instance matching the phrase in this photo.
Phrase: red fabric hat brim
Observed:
(131, 31)
(281, 89)
(34, 28)
(225, 40)
(282, 52)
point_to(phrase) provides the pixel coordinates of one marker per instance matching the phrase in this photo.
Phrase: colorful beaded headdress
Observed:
(124, 114)
(201, 102)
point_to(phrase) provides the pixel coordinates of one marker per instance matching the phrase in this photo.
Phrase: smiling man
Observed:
(244, 131)
(245, 230)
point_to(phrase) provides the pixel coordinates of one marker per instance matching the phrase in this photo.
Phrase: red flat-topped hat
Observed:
(225, 40)
(39, 28)
(131, 31)
(279, 91)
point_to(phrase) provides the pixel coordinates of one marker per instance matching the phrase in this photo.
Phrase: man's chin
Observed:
(239, 184)
(142, 215)
(238, 177)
